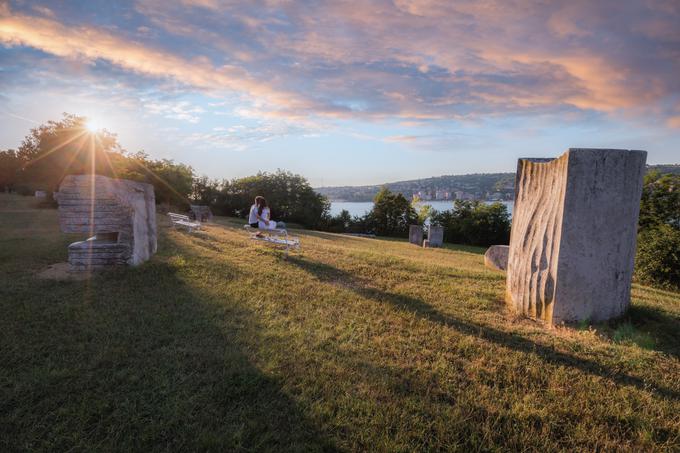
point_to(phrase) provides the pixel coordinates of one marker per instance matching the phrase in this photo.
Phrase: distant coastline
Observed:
(475, 186)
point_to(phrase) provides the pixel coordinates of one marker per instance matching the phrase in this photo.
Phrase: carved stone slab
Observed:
(573, 237)
(415, 234)
(435, 235)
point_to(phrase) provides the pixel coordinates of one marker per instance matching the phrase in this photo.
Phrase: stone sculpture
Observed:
(415, 234)
(120, 214)
(496, 257)
(435, 236)
(201, 213)
(574, 227)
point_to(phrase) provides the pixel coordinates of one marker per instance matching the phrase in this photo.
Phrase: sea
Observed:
(360, 208)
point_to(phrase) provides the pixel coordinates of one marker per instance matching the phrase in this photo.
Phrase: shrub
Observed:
(475, 223)
(658, 257)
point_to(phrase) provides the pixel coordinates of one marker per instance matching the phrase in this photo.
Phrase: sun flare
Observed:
(93, 125)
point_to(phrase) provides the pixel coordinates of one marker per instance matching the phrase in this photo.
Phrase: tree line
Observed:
(58, 148)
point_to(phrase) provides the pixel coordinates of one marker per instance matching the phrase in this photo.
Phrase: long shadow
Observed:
(139, 360)
(664, 327)
(331, 274)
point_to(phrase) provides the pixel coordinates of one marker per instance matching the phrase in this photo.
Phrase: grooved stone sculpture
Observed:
(435, 236)
(415, 234)
(120, 214)
(572, 243)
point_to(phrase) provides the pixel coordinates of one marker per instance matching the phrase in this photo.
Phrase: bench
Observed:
(278, 236)
(183, 221)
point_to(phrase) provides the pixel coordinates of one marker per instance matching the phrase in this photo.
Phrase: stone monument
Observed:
(415, 234)
(119, 214)
(574, 226)
(435, 236)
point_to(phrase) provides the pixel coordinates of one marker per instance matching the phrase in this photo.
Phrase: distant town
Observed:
(477, 186)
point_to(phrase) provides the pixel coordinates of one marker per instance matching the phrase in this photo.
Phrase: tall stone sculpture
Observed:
(120, 214)
(574, 226)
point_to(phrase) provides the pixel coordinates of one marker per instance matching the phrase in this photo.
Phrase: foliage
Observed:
(58, 148)
(423, 211)
(475, 223)
(9, 169)
(290, 197)
(658, 256)
(660, 202)
(391, 214)
(172, 182)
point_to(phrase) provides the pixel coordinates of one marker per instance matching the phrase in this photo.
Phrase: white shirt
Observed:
(252, 218)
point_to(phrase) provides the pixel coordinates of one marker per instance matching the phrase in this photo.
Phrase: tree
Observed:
(475, 223)
(391, 214)
(172, 182)
(58, 148)
(660, 203)
(290, 197)
(9, 170)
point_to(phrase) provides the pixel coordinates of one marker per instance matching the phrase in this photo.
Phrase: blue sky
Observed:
(348, 92)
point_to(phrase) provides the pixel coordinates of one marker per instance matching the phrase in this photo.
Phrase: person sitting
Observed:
(260, 216)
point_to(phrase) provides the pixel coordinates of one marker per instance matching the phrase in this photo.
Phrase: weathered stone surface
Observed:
(415, 234)
(120, 213)
(573, 234)
(496, 257)
(435, 235)
(201, 213)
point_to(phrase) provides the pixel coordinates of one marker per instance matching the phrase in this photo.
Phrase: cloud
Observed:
(415, 60)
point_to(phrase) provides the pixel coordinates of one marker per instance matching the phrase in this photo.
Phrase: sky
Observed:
(348, 93)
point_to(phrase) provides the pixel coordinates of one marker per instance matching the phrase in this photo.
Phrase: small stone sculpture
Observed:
(496, 257)
(435, 235)
(415, 234)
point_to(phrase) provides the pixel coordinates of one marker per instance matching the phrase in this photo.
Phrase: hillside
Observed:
(218, 344)
(479, 186)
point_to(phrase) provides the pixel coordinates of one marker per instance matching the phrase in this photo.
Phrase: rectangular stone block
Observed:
(415, 234)
(573, 237)
(435, 235)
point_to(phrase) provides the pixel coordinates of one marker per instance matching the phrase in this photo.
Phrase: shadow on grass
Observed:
(659, 327)
(331, 274)
(139, 360)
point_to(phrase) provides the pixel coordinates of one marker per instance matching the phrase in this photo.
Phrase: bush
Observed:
(658, 257)
(475, 223)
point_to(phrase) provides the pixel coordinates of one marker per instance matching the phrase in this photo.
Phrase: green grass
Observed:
(219, 344)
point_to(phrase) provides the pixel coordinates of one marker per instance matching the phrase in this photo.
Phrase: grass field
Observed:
(218, 344)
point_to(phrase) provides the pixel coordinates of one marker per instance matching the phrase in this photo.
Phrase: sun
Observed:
(93, 125)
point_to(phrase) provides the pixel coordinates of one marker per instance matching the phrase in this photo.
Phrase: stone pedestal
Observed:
(435, 235)
(574, 227)
(120, 214)
(415, 234)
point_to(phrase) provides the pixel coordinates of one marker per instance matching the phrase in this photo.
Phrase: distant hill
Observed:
(480, 186)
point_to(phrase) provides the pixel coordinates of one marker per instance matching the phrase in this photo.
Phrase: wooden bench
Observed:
(183, 221)
(278, 236)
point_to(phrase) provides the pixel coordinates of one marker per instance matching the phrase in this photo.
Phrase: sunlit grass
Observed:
(218, 343)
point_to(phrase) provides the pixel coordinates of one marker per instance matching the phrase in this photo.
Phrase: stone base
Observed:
(95, 254)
